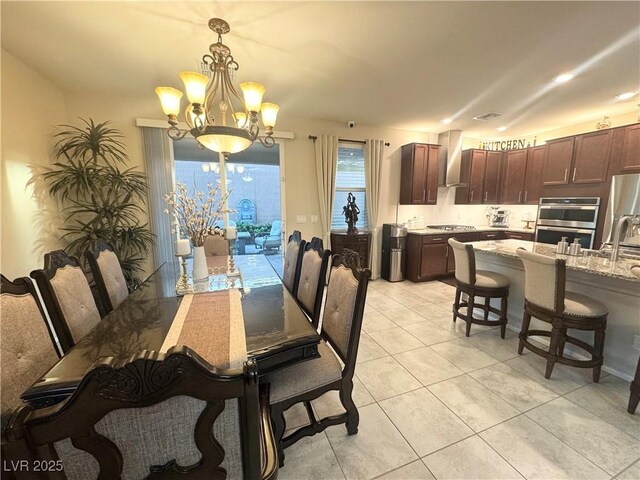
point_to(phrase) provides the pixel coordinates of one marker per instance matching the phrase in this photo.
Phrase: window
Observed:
(349, 178)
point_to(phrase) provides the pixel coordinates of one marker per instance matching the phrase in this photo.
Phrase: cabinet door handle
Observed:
(490, 236)
(573, 178)
(486, 194)
(526, 192)
(566, 172)
(436, 239)
(471, 196)
(519, 196)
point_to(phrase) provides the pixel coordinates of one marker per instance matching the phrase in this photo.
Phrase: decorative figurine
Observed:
(350, 212)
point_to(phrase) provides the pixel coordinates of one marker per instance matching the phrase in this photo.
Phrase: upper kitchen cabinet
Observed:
(557, 162)
(630, 162)
(533, 177)
(513, 177)
(480, 173)
(591, 157)
(419, 174)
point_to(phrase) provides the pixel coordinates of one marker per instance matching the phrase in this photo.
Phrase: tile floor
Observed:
(435, 404)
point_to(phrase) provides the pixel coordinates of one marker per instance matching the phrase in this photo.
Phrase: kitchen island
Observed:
(612, 283)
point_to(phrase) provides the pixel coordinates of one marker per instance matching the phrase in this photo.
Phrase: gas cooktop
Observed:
(451, 227)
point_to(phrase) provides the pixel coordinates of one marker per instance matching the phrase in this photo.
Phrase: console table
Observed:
(358, 242)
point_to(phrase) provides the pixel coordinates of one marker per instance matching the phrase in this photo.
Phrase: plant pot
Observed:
(200, 269)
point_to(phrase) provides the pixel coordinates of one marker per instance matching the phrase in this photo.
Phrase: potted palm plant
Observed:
(101, 197)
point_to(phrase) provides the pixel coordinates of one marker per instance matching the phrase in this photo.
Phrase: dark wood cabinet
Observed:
(557, 161)
(528, 236)
(630, 161)
(358, 242)
(492, 177)
(419, 174)
(493, 235)
(533, 177)
(472, 167)
(513, 177)
(591, 157)
(433, 261)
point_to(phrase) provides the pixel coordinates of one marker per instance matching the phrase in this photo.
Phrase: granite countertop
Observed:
(477, 228)
(591, 264)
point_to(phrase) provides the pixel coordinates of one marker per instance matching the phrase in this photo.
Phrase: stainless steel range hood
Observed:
(450, 158)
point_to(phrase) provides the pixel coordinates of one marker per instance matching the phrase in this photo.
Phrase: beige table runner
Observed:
(212, 325)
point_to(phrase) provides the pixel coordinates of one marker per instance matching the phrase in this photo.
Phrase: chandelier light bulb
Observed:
(269, 114)
(253, 93)
(169, 100)
(196, 86)
(241, 119)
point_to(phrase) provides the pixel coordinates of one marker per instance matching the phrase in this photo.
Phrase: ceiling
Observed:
(397, 64)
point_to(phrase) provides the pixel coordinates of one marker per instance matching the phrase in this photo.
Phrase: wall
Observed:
(31, 107)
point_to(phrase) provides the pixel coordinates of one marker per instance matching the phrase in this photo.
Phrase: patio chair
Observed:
(273, 240)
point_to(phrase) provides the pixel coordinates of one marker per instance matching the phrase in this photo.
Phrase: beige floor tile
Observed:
(537, 454)
(310, 459)
(424, 421)
(430, 310)
(470, 459)
(385, 377)
(374, 321)
(378, 447)
(407, 298)
(490, 342)
(427, 366)
(563, 379)
(428, 333)
(516, 388)
(395, 340)
(631, 473)
(382, 303)
(608, 399)
(475, 404)
(414, 471)
(329, 403)
(296, 416)
(603, 444)
(463, 355)
(368, 349)
(403, 316)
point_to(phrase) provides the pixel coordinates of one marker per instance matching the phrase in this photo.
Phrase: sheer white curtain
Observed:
(158, 159)
(326, 161)
(373, 155)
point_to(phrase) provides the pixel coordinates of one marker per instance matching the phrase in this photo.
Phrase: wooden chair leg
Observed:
(470, 307)
(279, 427)
(526, 320)
(598, 348)
(634, 388)
(353, 417)
(456, 304)
(487, 303)
(553, 349)
(561, 342)
(503, 317)
(633, 403)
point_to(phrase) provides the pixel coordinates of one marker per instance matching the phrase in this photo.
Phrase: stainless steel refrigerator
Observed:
(624, 199)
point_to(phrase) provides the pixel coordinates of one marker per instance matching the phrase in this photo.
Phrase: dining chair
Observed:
(216, 245)
(107, 275)
(28, 346)
(313, 272)
(155, 415)
(306, 381)
(67, 296)
(272, 240)
(293, 262)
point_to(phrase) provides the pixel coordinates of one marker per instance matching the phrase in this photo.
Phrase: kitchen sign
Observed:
(507, 144)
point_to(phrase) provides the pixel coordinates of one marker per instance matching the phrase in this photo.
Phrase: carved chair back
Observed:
(465, 262)
(67, 296)
(313, 272)
(544, 280)
(344, 307)
(27, 344)
(293, 261)
(107, 275)
(156, 416)
(216, 245)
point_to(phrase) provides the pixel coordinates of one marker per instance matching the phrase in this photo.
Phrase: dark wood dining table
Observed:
(276, 331)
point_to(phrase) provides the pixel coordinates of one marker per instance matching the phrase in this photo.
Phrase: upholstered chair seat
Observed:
(333, 370)
(304, 377)
(68, 298)
(546, 299)
(478, 283)
(27, 346)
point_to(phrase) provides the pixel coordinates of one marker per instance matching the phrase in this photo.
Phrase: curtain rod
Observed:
(314, 138)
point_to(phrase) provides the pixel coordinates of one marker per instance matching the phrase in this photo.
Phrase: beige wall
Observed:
(31, 107)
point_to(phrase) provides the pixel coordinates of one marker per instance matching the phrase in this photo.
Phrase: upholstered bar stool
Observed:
(546, 299)
(478, 283)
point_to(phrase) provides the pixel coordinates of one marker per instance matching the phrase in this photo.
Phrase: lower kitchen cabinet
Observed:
(493, 235)
(529, 237)
(433, 260)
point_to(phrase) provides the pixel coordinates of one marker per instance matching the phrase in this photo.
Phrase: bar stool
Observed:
(546, 299)
(480, 283)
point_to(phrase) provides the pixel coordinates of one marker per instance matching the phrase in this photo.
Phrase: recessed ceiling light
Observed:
(501, 129)
(446, 121)
(626, 95)
(565, 77)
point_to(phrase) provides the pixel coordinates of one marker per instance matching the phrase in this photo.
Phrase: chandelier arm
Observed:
(210, 97)
(187, 116)
(175, 133)
(232, 64)
(267, 141)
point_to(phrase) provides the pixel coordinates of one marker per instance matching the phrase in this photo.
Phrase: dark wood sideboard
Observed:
(358, 242)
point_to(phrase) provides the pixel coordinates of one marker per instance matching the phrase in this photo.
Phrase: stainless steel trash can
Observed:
(393, 246)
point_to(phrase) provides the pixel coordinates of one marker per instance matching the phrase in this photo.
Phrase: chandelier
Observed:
(237, 125)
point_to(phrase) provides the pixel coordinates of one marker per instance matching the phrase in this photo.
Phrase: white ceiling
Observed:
(398, 64)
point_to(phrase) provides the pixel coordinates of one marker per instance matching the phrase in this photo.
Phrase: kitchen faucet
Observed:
(623, 222)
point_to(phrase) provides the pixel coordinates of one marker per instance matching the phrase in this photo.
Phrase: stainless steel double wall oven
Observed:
(571, 217)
